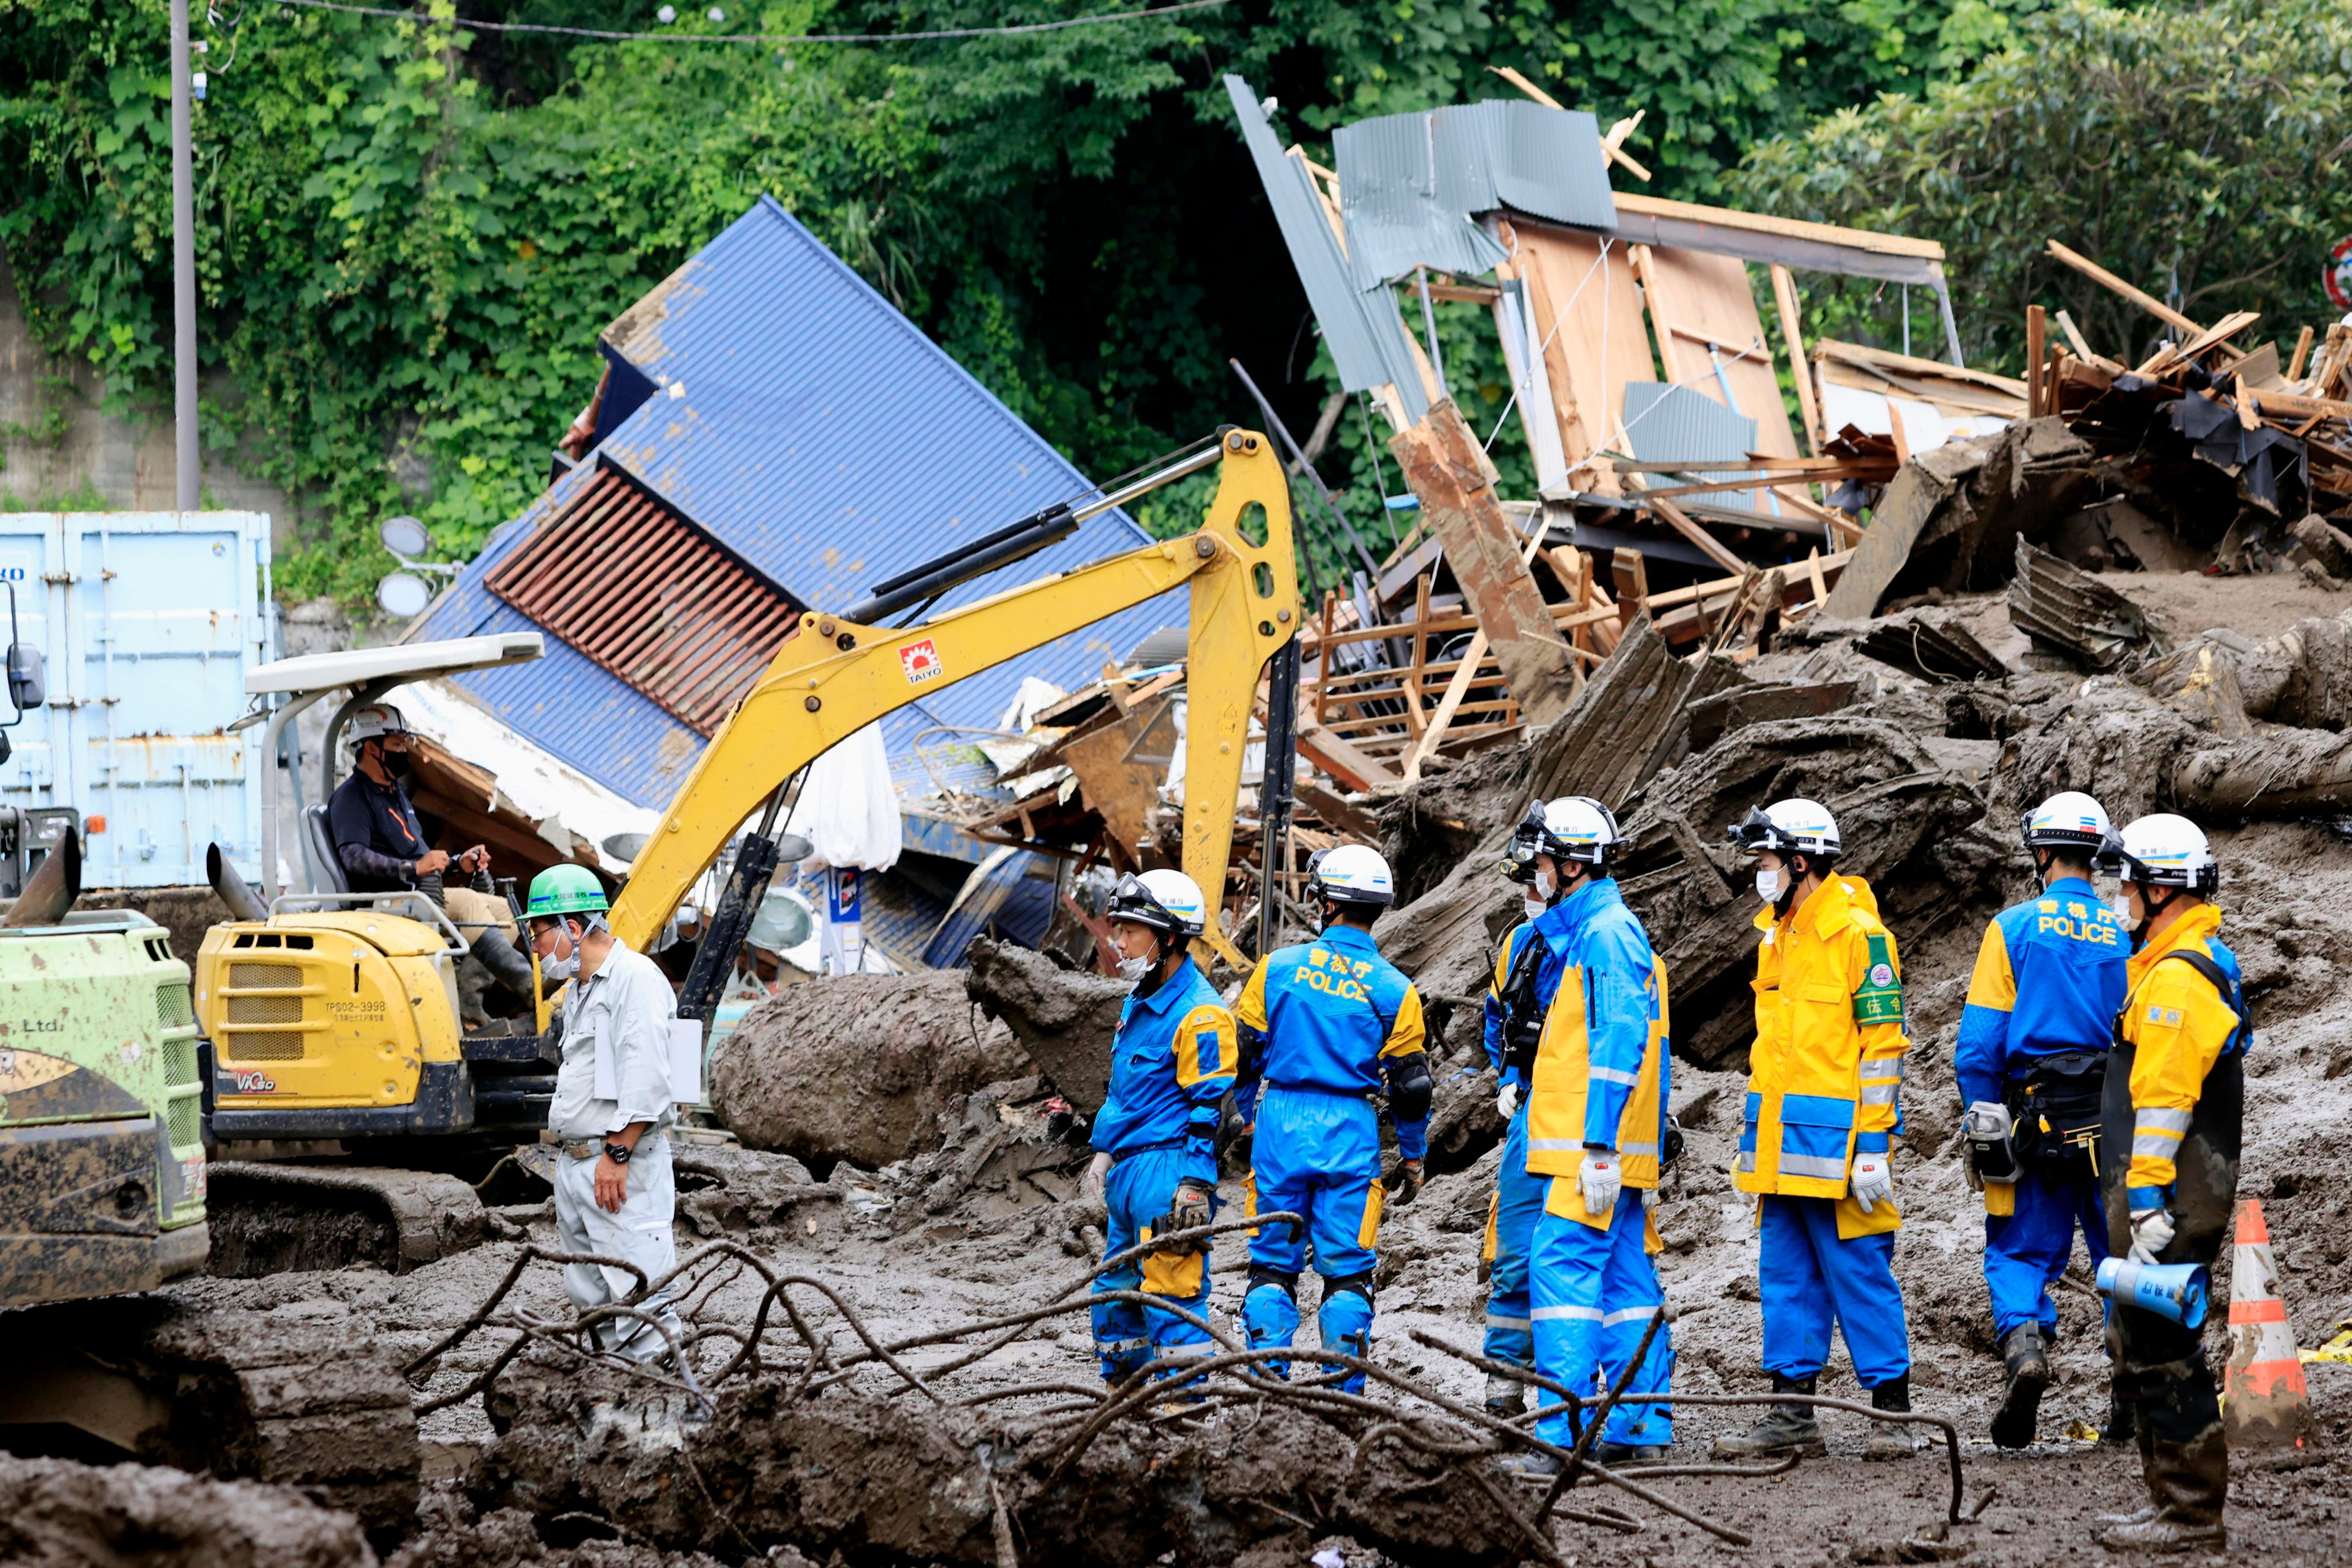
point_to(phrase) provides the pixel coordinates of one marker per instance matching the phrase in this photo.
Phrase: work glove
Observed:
(1407, 1185)
(2151, 1234)
(1649, 1199)
(1193, 1205)
(1987, 1127)
(1507, 1099)
(1601, 1177)
(1097, 1173)
(1874, 1182)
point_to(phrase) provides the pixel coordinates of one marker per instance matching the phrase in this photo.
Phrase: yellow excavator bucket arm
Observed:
(832, 677)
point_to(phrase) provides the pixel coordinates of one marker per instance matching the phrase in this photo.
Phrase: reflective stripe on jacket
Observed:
(1825, 1076)
(1601, 1070)
(2180, 1026)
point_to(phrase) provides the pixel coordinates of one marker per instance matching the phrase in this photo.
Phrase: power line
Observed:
(600, 34)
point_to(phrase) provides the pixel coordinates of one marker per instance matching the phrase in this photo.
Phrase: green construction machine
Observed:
(103, 1201)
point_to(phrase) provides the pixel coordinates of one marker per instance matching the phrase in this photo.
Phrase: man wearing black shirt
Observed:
(381, 847)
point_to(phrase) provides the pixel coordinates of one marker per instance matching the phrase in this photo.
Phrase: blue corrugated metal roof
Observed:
(818, 434)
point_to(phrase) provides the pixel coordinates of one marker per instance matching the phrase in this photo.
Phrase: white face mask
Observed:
(1769, 884)
(559, 970)
(1535, 905)
(1134, 969)
(2121, 904)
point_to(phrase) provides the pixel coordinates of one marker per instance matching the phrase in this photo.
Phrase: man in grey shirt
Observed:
(613, 1102)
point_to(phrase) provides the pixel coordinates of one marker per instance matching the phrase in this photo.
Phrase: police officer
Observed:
(1172, 1059)
(1515, 999)
(1824, 1084)
(2031, 1061)
(1596, 1122)
(1324, 1022)
(611, 1110)
(2176, 1100)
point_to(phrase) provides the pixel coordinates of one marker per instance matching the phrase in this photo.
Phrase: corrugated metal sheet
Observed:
(619, 574)
(147, 623)
(1669, 424)
(1011, 893)
(1365, 337)
(814, 432)
(1409, 183)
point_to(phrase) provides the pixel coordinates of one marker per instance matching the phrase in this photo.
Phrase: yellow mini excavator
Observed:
(332, 1019)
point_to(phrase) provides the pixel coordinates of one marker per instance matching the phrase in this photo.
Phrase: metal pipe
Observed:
(1429, 325)
(184, 268)
(50, 891)
(269, 741)
(243, 903)
(1951, 327)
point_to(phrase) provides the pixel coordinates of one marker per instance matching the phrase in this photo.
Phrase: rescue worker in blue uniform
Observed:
(1595, 1136)
(1323, 1023)
(1172, 1059)
(1816, 1143)
(2031, 1063)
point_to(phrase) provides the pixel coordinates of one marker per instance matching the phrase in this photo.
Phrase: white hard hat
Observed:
(1790, 827)
(1352, 874)
(375, 720)
(1164, 900)
(2162, 851)
(2068, 819)
(1579, 828)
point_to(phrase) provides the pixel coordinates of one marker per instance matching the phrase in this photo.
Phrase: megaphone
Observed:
(2181, 1291)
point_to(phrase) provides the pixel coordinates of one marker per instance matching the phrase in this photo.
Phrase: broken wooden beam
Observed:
(1448, 470)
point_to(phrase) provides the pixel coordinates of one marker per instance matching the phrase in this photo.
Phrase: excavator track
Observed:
(271, 1218)
(285, 1396)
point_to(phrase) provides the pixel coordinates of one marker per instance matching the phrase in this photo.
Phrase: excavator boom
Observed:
(832, 677)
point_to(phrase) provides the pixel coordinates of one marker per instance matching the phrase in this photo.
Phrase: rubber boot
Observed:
(1506, 1398)
(2029, 1374)
(2123, 1420)
(505, 962)
(2191, 1484)
(1627, 1453)
(1893, 1439)
(2146, 1444)
(1785, 1429)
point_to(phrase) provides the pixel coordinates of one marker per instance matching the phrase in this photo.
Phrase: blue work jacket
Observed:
(2049, 978)
(1333, 1014)
(1172, 1059)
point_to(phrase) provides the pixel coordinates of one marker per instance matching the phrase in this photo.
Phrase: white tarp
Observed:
(848, 806)
(533, 781)
(1924, 424)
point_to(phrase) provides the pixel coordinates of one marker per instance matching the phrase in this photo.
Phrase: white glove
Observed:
(1600, 1178)
(1097, 1173)
(1987, 1121)
(1874, 1184)
(2151, 1234)
(1649, 1199)
(1507, 1101)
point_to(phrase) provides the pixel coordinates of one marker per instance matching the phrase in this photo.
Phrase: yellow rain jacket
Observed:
(2179, 1026)
(1825, 1076)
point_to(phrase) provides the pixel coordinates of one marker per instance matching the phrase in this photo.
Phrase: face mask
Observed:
(559, 970)
(1134, 969)
(1535, 905)
(1769, 884)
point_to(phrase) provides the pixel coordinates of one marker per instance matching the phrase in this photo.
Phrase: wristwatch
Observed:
(617, 1153)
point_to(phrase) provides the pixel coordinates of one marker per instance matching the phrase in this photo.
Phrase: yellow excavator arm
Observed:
(832, 677)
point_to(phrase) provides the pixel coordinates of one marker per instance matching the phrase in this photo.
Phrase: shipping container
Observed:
(148, 621)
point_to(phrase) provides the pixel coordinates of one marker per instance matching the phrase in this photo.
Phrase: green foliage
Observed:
(409, 233)
(2197, 151)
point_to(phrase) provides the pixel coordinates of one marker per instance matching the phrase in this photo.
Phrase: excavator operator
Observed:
(381, 846)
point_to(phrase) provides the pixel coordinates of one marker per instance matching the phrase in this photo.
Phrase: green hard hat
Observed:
(566, 890)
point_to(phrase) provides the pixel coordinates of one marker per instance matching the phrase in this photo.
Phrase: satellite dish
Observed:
(404, 595)
(625, 846)
(405, 537)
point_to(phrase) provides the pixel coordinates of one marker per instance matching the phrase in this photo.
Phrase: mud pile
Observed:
(58, 1514)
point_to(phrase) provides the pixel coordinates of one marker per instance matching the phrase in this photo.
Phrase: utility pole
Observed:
(183, 267)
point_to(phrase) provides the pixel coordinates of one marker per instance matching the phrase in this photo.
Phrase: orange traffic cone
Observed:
(2266, 1409)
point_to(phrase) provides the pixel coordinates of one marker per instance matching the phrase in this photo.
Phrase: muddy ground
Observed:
(983, 1215)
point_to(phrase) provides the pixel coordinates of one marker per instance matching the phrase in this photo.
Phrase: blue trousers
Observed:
(1520, 1199)
(1126, 1335)
(1595, 1293)
(2026, 1251)
(1811, 1279)
(1317, 1155)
